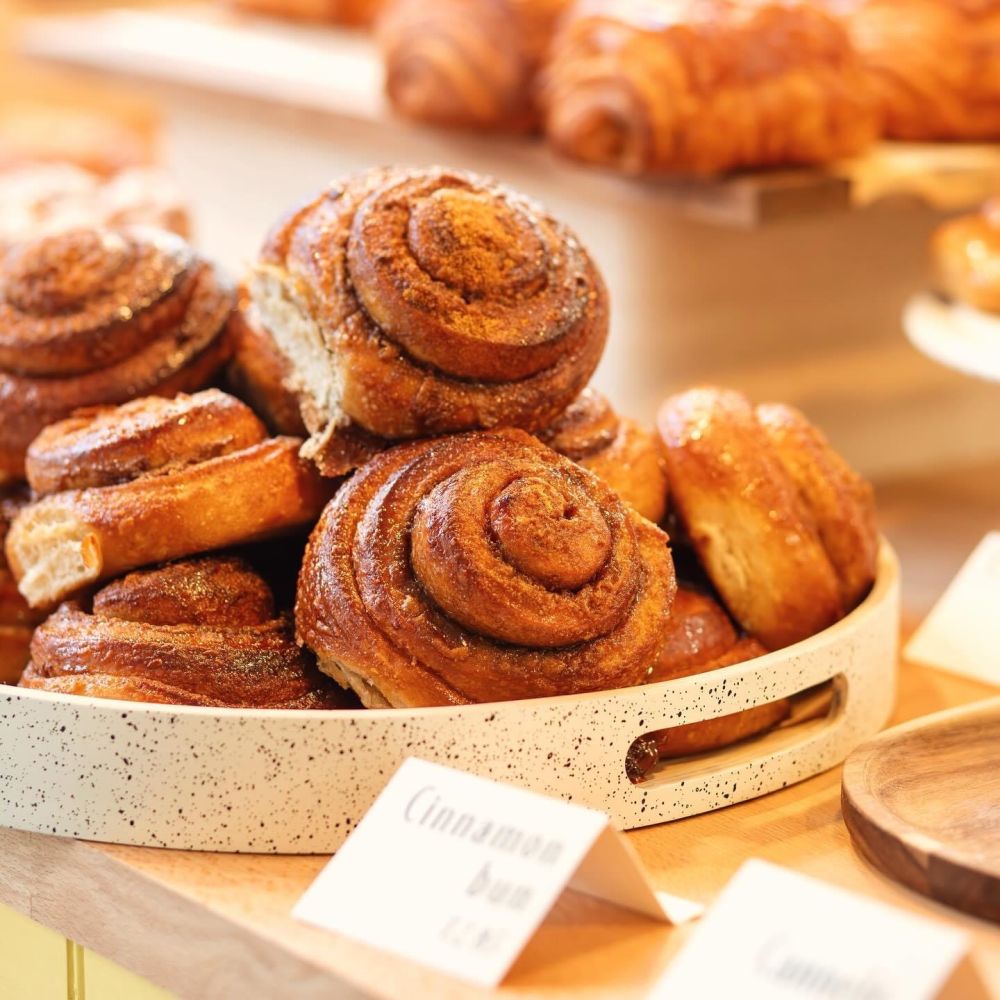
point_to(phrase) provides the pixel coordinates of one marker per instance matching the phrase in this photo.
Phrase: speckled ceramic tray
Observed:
(297, 782)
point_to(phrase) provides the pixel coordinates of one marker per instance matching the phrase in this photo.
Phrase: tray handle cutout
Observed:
(697, 749)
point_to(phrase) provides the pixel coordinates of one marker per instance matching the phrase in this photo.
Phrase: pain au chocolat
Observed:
(481, 567)
(195, 632)
(100, 316)
(784, 528)
(410, 303)
(152, 480)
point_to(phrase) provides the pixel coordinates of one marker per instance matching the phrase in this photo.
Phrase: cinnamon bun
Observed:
(198, 632)
(627, 456)
(966, 256)
(99, 316)
(783, 526)
(152, 480)
(16, 619)
(481, 567)
(418, 302)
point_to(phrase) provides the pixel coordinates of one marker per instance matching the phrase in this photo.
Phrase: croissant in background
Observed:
(782, 525)
(704, 86)
(466, 63)
(933, 65)
(16, 618)
(966, 257)
(152, 480)
(481, 567)
(629, 458)
(410, 303)
(199, 632)
(95, 316)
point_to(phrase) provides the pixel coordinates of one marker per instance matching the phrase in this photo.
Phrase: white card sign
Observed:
(962, 632)
(457, 872)
(773, 934)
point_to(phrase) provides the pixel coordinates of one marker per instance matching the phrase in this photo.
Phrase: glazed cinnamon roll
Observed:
(481, 567)
(783, 526)
(704, 86)
(698, 638)
(152, 480)
(199, 632)
(933, 65)
(417, 302)
(466, 63)
(624, 454)
(16, 619)
(96, 316)
(966, 256)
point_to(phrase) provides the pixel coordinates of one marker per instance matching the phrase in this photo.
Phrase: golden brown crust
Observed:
(762, 496)
(352, 13)
(932, 65)
(699, 631)
(481, 567)
(92, 317)
(966, 257)
(17, 620)
(466, 63)
(627, 456)
(426, 302)
(260, 374)
(704, 86)
(69, 539)
(199, 632)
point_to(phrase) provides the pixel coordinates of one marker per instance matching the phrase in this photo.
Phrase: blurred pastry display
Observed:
(467, 63)
(932, 65)
(352, 13)
(784, 528)
(99, 316)
(626, 455)
(966, 256)
(705, 86)
(481, 567)
(42, 199)
(410, 303)
(196, 632)
(155, 479)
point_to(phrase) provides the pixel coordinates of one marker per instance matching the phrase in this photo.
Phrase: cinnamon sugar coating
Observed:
(98, 316)
(420, 302)
(199, 632)
(627, 456)
(481, 567)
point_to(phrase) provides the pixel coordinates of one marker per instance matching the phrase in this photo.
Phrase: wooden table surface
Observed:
(218, 926)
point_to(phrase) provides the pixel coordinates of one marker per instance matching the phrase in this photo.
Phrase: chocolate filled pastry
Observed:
(481, 567)
(466, 63)
(966, 257)
(700, 637)
(411, 303)
(197, 632)
(932, 65)
(16, 619)
(704, 86)
(624, 454)
(784, 528)
(152, 480)
(99, 316)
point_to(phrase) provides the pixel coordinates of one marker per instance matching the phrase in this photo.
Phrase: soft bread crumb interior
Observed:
(315, 378)
(58, 554)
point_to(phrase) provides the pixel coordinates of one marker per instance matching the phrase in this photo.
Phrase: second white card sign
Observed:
(773, 934)
(457, 872)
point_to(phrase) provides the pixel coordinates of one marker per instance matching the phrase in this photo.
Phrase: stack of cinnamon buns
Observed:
(417, 457)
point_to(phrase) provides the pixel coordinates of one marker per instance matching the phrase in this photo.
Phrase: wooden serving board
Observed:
(922, 804)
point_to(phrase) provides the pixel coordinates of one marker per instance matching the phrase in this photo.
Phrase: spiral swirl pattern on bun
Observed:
(420, 302)
(481, 567)
(98, 316)
(199, 632)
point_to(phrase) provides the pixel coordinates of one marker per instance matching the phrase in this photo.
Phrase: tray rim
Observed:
(886, 578)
